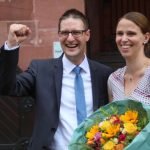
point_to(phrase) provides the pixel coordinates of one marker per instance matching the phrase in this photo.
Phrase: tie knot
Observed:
(77, 70)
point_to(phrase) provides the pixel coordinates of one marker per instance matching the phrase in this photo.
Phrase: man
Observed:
(51, 82)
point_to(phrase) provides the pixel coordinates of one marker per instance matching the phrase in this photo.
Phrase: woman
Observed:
(133, 80)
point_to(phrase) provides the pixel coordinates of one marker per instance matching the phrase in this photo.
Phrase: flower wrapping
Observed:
(81, 136)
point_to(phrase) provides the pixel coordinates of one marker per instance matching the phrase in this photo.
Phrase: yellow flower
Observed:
(109, 145)
(130, 128)
(130, 116)
(111, 131)
(90, 135)
(104, 125)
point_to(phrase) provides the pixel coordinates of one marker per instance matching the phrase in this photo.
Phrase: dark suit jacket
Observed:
(43, 81)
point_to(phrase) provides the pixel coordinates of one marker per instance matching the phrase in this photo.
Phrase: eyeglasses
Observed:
(74, 33)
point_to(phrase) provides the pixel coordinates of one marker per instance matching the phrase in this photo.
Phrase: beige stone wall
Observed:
(42, 17)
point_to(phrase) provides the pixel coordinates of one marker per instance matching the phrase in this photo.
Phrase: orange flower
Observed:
(119, 147)
(90, 135)
(90, 142)
(130, 116)
(102, 141)
(111, 131)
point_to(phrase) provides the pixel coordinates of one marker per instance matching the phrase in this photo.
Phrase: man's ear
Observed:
(87, 33)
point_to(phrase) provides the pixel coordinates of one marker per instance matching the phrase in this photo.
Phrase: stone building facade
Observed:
(42, 17)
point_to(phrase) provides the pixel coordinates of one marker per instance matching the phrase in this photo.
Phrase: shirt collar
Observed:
(68, 66)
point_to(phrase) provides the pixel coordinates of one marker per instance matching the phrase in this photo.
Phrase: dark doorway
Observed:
(103, 16)
(16, 121)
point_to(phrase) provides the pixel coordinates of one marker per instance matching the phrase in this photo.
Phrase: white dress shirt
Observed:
(8, 48)
(67, 115)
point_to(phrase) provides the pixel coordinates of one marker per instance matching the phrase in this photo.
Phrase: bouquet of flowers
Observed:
(120, 125)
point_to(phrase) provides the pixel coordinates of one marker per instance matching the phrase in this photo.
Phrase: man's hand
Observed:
(17, 34)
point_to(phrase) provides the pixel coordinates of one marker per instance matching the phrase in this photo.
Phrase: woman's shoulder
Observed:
(119, 72)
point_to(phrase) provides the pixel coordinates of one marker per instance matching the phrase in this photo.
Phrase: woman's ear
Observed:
(147, 37)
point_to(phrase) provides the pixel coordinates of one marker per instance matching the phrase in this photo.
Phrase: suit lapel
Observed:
(58, 73)
(95, 91)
